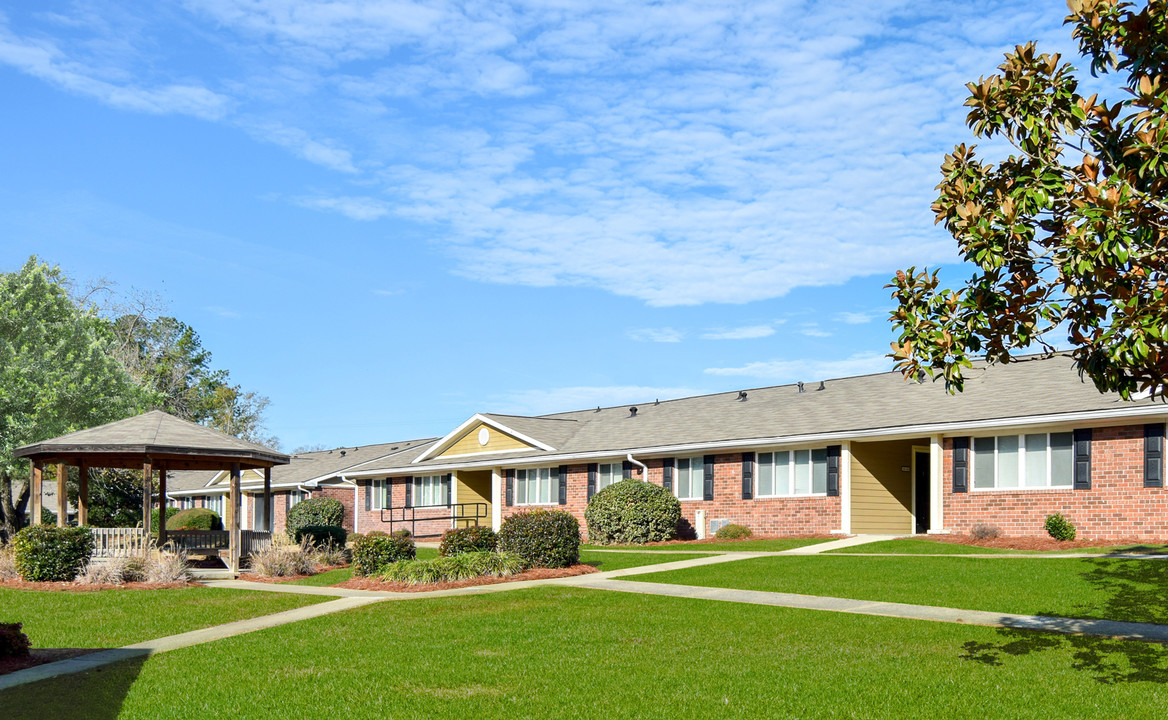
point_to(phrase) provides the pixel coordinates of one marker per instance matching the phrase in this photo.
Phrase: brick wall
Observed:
(1117, 505)
(368, 520)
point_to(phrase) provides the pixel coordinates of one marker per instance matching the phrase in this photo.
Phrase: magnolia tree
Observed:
(1069, 234)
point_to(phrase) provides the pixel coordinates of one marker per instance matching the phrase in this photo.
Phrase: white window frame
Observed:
(382, 491)
(789, 482)
(428, 491)
(295, 497)
(616, 471)
(1022, 464)
(215, 503)
(544, 479)
(700, 462)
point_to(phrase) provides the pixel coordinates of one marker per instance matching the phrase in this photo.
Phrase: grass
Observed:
(570, 652)
(328, 577)
(1135, 590)
(765, 545)
(920, 546)
(605, 561)
(112, 618)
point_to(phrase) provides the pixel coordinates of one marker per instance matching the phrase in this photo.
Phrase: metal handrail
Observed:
(459, 516)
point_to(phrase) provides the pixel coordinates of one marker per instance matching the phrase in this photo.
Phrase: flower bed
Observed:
(92, 587)
(1034, 542)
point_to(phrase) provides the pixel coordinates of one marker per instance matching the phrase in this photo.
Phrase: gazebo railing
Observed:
(120, 542)
(253, 541)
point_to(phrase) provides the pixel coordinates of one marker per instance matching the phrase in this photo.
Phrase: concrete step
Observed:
(200, 574)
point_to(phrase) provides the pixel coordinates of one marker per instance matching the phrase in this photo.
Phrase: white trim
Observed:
(937, 482)
(845, 488)
(446, 441)
(924, 450)
(496, 498)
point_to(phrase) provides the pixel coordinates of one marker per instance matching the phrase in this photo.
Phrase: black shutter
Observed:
(626, 470)
(287, 501)
(369, 496)
(593, 468)
(747, 476)
(708, 477)
(834, 455)
(510, 487)
(446, 488)
(1154, 455)
(667, 468)
(1083, 459)
(960, 464)
(409, 492)
(563, 484)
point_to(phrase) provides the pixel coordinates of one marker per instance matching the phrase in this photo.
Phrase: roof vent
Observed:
(342, 453)
(633, 411)
(597, 408)
(657, 401)
(741, 395)
(800, 384)
(822, 386)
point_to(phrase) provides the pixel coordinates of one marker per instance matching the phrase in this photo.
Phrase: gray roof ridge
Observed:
(532, 417)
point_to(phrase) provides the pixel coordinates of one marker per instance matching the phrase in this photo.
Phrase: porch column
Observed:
(846, 488)
(234, 535)
(496, 498)
(161, 506)
(62, 495)
(147, 491)
(35, 491)
(82, 493)
(936, 485)
(269, 516)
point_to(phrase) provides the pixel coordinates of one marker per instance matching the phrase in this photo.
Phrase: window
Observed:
(379, 489)
(214, 502)
(792, 472)
(609, 473)
(533, 486)
(295, 497)
(690, 480)
(429, 490)
(1036, 460)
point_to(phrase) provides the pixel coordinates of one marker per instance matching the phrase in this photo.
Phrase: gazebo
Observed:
(152, 442)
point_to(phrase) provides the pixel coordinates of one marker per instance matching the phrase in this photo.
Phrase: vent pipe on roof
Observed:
(633, 411)
(822, 386)
(741, 395)
(800, 384)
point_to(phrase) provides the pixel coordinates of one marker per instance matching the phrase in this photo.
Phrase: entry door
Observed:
(260, 521)
(921, 479)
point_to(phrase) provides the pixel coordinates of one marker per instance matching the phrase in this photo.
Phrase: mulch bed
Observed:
(706, 541)
(1032, 543)
(365, 583)
(80, 587)
(252, 577)
(41, 656)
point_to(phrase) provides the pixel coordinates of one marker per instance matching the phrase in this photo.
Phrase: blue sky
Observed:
(387, 216)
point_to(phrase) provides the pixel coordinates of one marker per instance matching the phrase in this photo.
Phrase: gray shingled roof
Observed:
(863, 404)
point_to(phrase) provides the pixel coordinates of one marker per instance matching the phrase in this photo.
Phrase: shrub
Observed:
(985, 531)
(1059, 528)
(114, 571)
(467, 540)
(48, 517)
(733, 531)
(168, 567)
(631, 511)
(317, 512)
(321, 535)
(286, 561)
(542, 538)
(195, 519)
(354, 537)
(8, 563)
(170, 512)
(376, 551)
(13, 642)
(330, 555)
(49, 553)
(462, 566)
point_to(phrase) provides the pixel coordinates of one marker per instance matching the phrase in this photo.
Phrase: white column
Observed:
(846, 489)
(937, 489)
(496, 498)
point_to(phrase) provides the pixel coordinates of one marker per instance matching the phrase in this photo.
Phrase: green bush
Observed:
(733, 531)
(467, 540)
(542, 538)
(321, 535)
(354, 537)
(376, 551)
(631, 511)
(13, 642)
(195, 519)
(463, 566)
(170, 512)
(1059, 528)
(318, 512)
(48, 553)
(48, 517)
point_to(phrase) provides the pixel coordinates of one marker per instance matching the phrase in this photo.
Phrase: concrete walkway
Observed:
(840, 544)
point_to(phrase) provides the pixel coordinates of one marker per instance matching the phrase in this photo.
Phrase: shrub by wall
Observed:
(318, 512)
(51, 554)
(170, 512)
(375, 552)
(542, 538)
(13, 642)
(321, 535)
(1059, 528)
(631, 511)
(466, 540)
(733, 531)
(195, 519)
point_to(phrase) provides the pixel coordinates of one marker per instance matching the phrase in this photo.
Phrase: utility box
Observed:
(700, 524)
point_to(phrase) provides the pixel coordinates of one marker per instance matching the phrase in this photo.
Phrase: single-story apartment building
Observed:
(868, 454)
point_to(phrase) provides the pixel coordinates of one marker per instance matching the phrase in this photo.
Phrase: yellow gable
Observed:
(483, 438)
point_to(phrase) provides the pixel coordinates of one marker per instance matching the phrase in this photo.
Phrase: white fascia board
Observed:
(224, 490)
(340, 473)
(447, 439)
(1101, 417)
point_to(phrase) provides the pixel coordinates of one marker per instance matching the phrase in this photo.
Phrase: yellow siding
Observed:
(468, 442)
(881, 490)
(475, 487)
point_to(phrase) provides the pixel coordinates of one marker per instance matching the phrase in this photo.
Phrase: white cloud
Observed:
(858, 318)
(540, 402)
(222, 311)
(355, 208)
(748, 332)
(321, 152)
(813, 331)
(809, 370)
(661, 335)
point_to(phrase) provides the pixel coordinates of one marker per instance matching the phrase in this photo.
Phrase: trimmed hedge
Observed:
(542, 538)
(321, 535)
(631, 511)
(195, 519)
(733, 531)
(13, 642)
(317, 512)
(376, 551)
(1059, 528)
(463, 566)
(170, 512)
(52, 554)
(468, 539)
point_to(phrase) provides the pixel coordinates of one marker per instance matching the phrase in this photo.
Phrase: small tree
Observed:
(1070, 234)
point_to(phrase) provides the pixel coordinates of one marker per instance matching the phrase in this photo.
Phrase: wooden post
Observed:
(269, 516)
(62, 495)
(35, 492)
(234, 537)
(83, 494)
(161, 506)
(147, 490)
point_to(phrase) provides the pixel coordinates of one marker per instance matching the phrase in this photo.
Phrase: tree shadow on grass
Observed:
(1129, 591)
(96, 694)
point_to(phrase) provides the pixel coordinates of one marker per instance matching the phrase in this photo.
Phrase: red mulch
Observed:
(40, 657)
(813, 536)
(78, 587)
(1033, 543)
(252, 577)
(365, 583)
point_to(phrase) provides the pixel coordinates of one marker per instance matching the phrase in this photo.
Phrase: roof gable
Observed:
(482, 435)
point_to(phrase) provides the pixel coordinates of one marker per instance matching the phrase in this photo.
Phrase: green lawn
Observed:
(1135, 590)
(922, 546)
(112, 618)
(570, 652)
(328, 577)
(605, 561)
(767, 545)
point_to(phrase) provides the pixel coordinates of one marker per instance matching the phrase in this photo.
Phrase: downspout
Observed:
(644, 467)
(356, 498)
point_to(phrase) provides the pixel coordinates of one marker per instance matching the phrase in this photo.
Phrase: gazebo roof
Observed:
(155, 437)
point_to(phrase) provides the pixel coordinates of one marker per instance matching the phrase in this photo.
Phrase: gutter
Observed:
(644, 467)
